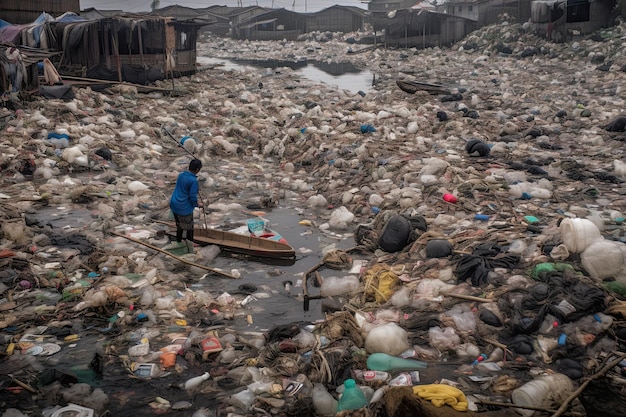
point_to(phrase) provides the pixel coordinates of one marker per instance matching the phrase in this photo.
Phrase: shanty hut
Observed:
(420, 28)
(274, 25)
(336, 19)
(133, 48)
(560, 20)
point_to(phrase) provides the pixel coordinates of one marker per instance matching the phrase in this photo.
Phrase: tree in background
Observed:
(155, 4)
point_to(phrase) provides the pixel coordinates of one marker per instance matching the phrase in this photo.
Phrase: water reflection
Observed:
(342, 74)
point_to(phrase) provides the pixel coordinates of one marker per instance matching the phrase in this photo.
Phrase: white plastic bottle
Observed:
(323, 402)
(192, 383)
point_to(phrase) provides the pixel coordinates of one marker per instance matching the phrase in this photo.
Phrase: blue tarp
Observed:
(9, 32)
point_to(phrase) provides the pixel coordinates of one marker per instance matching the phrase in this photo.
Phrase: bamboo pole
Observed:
(185, 261)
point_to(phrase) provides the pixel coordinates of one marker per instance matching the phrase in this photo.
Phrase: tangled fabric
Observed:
(484, 259)
(441, 394)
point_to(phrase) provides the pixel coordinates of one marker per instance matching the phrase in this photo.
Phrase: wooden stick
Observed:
(498, 344)
(468, 297)
(22, 384)
(185, 261)
(525, 407)
(305, 290)
(582, 387)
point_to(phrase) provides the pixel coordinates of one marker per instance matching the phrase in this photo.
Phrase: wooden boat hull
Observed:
(252, 245)
(246, 244)
(412, 87)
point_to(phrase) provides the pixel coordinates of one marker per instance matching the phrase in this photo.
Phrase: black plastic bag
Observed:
(395, 234)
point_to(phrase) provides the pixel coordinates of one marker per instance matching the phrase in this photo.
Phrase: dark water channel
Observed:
(342, 74)
(278, 299)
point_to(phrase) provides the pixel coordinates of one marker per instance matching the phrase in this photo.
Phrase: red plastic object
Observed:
(449, 198)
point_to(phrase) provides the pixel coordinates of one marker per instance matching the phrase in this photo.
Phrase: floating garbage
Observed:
(433, 268)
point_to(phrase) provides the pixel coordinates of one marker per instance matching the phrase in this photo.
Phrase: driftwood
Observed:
(178, 258)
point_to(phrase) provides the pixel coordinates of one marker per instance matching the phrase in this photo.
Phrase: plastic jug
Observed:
(196, 380)
(543, 391)
(352, 397)
(384, 362)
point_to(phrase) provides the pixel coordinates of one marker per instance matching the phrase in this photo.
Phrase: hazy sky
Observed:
(144, 5)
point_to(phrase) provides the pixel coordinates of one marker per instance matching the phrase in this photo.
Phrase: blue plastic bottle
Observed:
(352, 397)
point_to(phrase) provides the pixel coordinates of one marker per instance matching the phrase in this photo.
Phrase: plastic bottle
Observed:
(385, 362)
(192, 383)
(479, 359)
(370, 376)
(544, 391)
(352, 397)
(324, 403)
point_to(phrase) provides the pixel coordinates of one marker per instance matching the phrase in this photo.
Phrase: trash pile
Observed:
(486, 276)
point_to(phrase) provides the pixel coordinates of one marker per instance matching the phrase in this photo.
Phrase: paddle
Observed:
(185, 261)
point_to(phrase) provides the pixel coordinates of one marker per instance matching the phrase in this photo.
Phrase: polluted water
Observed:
(476, 230)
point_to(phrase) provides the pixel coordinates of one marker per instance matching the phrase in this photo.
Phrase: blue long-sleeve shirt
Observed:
(185, 196)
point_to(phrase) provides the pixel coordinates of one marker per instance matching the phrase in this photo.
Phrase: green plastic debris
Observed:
(547, 267)
(531, 219)
(616, 287)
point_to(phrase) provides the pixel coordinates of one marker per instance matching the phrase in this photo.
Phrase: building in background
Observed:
(20, 12)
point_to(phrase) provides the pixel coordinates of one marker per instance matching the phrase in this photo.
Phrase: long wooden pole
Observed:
(185, 261)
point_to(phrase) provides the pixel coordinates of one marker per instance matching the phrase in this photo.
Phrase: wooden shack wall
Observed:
(334, 20)
(20, 11)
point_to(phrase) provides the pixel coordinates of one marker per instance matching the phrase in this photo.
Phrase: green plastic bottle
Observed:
(352, 397)
(386, 363)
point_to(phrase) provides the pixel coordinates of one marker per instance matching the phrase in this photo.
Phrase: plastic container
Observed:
(324, 403)
(547, 391)
(369, 376)
(73, 410)
(578, 234)
(386, 363)
(603, 258)
(192, 383)
(352, 397)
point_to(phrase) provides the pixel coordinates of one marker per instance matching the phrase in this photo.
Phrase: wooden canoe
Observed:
(248, 244)
(412, 87)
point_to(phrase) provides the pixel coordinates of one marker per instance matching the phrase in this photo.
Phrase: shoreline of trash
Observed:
(488, 225)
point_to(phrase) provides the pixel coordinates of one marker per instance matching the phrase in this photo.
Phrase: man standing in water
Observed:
(182, 203)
